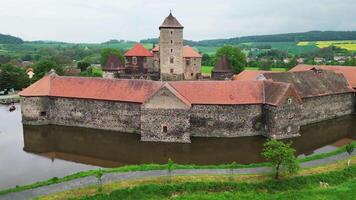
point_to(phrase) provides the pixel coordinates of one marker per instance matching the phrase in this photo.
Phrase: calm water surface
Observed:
(33, 153)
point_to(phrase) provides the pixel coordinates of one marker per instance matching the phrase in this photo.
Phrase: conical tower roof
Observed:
(223, 65)
(171, 22)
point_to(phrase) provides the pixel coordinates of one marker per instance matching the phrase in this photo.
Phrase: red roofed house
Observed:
(139, 60)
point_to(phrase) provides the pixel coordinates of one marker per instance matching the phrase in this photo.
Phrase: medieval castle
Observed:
(274, 105)
(170, 60)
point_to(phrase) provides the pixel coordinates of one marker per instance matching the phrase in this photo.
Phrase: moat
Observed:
(34, 153)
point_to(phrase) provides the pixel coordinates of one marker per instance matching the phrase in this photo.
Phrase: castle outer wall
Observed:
(108, 115)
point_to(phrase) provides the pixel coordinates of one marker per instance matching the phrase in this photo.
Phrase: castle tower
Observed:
(171, 49)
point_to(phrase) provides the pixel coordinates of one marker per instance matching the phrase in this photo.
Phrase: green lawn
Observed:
(342, 184)
(206, 70)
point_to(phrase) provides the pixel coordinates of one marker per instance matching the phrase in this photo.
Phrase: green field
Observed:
(206, 70)
(272, 69)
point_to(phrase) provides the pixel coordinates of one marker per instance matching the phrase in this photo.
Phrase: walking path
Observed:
(119, 176)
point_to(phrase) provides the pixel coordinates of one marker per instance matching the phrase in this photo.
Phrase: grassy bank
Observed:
(341, 181)
(146, 167)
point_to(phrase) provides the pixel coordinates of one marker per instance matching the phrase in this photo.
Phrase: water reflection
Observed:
(112, 149)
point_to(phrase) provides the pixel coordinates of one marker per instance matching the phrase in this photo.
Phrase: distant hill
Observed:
(8, 39)
(287, 37)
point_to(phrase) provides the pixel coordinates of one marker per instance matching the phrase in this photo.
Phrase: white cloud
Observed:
(101, 20)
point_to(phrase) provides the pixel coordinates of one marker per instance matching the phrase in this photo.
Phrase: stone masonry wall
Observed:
(107, 115)
(167, 125)
(35, 110)
(282, 121)
(171, 46)
(317, 109)
(226, 120)
(192, 70)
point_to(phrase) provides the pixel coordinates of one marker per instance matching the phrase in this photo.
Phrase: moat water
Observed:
(33, 153)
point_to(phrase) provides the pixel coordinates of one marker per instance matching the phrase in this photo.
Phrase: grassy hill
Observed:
(8, 39)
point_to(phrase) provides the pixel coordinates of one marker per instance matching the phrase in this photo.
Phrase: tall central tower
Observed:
(171, 49)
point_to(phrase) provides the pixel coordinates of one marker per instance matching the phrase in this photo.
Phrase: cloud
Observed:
(101, 20)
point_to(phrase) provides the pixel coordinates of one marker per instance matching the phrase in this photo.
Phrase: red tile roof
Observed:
(93, 88)
(156, 48)
(139, 51)
(189, 52)
(348, 72)
(221, 92)
(138, 91)
(249, 75)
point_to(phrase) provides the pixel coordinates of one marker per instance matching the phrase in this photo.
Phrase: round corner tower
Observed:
(171, 49)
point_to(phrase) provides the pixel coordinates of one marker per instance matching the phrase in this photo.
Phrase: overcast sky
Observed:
(101, 20)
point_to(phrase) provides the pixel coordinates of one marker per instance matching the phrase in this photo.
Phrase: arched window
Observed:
(171, 41)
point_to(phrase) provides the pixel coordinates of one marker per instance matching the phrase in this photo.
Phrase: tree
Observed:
(83, 66)
(349, 149)
(43, 67)
(105, 53)
(99, 174)
(13, 77)
(234, 55)
(170, 164)
(281, 156)
(207, 60)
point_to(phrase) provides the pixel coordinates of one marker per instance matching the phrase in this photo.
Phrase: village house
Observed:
(275, 105)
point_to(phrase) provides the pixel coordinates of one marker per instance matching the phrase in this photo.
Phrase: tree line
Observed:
(288, 37)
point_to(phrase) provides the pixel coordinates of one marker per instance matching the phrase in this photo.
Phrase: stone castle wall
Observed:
(178, 124)
(225, 120)
(316, 109)
(35, 110)
(282, 121)
(167, 125)
(107, 115)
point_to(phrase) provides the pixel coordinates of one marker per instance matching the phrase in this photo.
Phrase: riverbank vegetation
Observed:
(146, 167)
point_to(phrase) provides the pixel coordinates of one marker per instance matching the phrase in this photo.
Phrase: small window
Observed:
(171, 32)
(171, 41)
(171, 50)
(289, 129)
(134, 60)
(43, 113)
(290, 100)
(192, 74)
(172, 60)
(164, 129)
(172, 71)
(187, 62)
